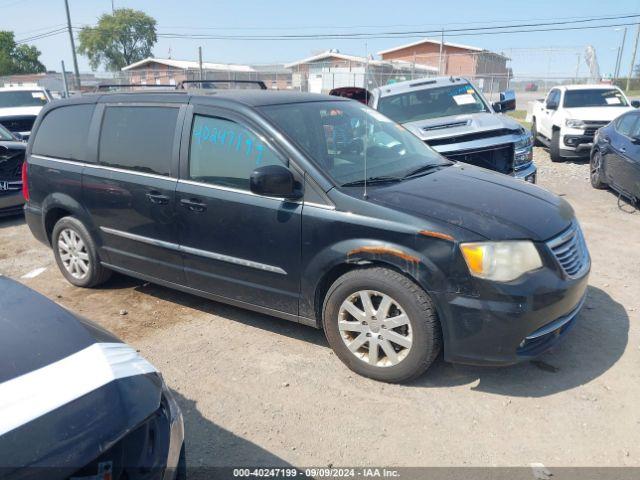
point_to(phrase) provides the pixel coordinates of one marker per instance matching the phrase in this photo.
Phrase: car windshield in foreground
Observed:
(22, 98)
(432, 103)
(351, 142)
(596, 97)
(5, 136)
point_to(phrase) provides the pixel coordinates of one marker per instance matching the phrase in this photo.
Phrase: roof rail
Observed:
(109, 86)
(259, 83)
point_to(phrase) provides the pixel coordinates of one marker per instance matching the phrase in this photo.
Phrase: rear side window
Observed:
(63, 133)
(225, 153)
(138, 138)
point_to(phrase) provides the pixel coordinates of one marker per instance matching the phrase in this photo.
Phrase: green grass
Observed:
(520, 115)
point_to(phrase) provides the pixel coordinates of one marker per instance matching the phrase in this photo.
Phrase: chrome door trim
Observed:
(103, 167)
(195, 251)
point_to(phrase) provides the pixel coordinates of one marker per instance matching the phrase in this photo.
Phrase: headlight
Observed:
(526, 140)
(501, 261)
(574, 123)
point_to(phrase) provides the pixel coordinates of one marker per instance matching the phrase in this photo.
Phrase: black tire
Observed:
(416, 304)
(595, 169)
(554, 148)
(95, 274)
(534, 134)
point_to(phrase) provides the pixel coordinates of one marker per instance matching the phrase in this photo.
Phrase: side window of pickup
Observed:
(223, 152)
(553, 100)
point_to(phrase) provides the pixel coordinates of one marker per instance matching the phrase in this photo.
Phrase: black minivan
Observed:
(311, 208)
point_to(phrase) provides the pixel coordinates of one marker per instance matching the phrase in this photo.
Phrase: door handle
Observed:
(623, 149)
(193, 204)
(157, 198)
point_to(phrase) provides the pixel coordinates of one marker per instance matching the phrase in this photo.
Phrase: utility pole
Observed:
(200, 63)
(73, 46)
(113, 7)
(440, 57)
(620, 52)
(64, 81)
(633, 57)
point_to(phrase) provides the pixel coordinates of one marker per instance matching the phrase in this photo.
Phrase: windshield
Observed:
(5, 135)
(340, 136)
(432, 103)
(596, 97)
(22, 98)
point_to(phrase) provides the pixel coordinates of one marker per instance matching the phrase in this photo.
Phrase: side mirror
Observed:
(635, 103)
(507, 101)
(497, 107)
(274, 181)
(19, 137)
(551, 106)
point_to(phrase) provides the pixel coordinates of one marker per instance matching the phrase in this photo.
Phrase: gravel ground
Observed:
(262, 391)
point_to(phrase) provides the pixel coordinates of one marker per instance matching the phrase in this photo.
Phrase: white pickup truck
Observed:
(567, 119)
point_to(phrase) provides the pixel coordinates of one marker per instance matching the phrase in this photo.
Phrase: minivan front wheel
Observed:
(381, 324)
(76, 254)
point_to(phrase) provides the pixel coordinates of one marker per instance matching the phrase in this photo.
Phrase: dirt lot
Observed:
(262, 391)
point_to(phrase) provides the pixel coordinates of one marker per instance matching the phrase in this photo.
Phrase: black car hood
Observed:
(490, 204)
(36, 334)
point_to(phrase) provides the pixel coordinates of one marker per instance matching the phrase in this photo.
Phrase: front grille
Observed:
(570, 251)
(18, 124)
(499, 158)
(592, 125)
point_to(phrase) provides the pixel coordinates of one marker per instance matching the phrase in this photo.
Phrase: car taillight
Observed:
(25, 183)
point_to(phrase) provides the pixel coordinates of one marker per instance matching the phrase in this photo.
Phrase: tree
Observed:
(16, 59)
(119, 39)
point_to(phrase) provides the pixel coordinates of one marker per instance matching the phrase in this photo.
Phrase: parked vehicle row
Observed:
(311, 208)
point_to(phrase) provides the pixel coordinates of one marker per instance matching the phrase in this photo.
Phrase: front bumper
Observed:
(507, 323)
(575, 143)
(151, 451)
(528, 174)
(11, 203)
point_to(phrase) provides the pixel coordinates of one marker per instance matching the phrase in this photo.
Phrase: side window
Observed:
(63, 133)
(625, 124)
(225, 153)
(138, 138)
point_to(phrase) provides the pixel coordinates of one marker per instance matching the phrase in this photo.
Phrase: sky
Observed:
(531, 53)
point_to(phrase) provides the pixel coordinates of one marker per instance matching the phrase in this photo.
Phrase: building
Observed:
(487, 69)
(167, 71)
(331, 69)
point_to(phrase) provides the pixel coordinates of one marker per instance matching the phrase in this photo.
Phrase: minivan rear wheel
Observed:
(76, 254)
(381, 324)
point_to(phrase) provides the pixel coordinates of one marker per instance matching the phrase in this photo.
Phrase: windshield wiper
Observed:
(372, 180)
(425, 169)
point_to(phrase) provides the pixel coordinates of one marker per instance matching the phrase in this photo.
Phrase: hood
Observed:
(68, 389)
(18, 111)
(596, 113)
(455, 125)
(495, 206)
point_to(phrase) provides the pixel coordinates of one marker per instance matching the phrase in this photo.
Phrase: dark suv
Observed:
(311, 208)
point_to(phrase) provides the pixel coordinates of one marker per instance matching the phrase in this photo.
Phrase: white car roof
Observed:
(595, 86)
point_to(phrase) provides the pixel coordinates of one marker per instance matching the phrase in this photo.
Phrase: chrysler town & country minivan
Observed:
(311, 208)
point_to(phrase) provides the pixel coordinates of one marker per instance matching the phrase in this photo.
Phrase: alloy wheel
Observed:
(73, 253)
(375, 328)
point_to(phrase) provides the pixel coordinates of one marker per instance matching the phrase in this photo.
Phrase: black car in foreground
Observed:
(615, 156)
(77, 402)
(312, 208)
(11, 157)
